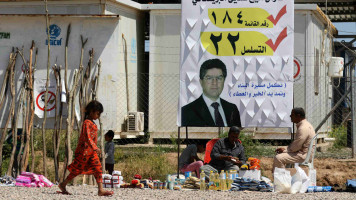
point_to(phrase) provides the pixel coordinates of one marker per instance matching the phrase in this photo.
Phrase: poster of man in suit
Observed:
(209, 109)
(236, 63)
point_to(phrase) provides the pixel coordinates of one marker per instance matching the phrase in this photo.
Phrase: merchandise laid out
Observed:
(113, 181)
(29, 179)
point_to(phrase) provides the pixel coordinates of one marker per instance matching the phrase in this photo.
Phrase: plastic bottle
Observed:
(202, 181)
(223, 181)
(211, 180)
(230, 179)
(216, 181)
(319, 189)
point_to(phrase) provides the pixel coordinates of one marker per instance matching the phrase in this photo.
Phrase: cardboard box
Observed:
(254, 174)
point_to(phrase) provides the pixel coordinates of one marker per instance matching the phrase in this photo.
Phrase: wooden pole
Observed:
(95, 91)
(12, 107)
(46, 95)
(126, 75)
(55, 132)
(32, 114)
(14, 129)
(66, 58)
(4, 132)
(14, 120)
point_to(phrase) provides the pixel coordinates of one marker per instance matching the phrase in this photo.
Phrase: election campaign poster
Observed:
(236, 63)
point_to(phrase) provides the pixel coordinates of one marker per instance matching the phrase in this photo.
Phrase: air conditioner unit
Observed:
(135, 122)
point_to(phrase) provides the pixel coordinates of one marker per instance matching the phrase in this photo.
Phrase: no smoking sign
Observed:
(51, 100)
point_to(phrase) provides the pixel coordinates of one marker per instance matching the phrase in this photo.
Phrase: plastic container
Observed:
(118, 173)
(202, 181)
(187, 174)
(319, 189)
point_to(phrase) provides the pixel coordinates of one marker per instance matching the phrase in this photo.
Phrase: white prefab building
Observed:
(105, 25)
(312, 88)
(108, 24)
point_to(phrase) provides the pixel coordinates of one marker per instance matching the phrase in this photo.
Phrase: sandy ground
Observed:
(90, 192)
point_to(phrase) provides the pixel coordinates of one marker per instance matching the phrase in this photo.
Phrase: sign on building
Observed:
(236, 63)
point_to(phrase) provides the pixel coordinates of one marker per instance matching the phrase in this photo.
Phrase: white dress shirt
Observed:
(212, 110)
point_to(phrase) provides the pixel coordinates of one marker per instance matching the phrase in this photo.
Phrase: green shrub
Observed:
(38, 142)
(340, 135)
(6, 153)
(147, 163)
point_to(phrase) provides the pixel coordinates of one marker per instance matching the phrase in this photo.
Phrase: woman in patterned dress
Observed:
(87, 153)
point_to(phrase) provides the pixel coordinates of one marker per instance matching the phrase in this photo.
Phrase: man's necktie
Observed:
(218, 119)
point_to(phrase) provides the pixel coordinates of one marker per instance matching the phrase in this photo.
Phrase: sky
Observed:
(346, 28)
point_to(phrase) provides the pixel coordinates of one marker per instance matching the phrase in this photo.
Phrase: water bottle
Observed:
(216, 181)
(223, 181)
(211, 180)
(230, 179)
(202, 181)
(319, 189)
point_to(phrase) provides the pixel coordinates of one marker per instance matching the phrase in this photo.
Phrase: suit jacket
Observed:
(197, 114)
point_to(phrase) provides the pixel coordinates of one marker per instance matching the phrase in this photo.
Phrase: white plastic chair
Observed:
(311, 152)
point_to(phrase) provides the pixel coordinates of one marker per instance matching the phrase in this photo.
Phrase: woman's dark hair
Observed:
(92, 107)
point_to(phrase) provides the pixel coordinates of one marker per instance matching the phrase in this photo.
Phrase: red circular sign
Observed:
(49, 99)
(298, 68)
(24, 68)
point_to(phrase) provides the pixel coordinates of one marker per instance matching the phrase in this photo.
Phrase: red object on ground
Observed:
(138, 176)
(209, 148)
(134, 182)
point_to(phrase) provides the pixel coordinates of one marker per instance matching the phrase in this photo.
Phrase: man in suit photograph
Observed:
(209, 109)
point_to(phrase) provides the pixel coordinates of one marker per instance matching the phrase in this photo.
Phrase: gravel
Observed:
(90, 192)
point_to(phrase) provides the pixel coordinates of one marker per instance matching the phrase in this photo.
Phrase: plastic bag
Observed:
(282, 180)
(296, 183)
(305, 179)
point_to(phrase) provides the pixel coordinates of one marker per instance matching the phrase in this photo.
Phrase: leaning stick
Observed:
(81, 103)
(46, 95)
(66, 57)
(68, 149)
(14, 131)
(90, 66)
(12, 108)
(60, 121)
(57, 71)
(32, 114)
(100, 122)
(24, 115)
(126, 74)
(5, 80)
(14, 121)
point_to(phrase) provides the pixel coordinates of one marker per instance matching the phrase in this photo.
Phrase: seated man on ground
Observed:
(227, 154)
(189, 160)
(298, 149)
